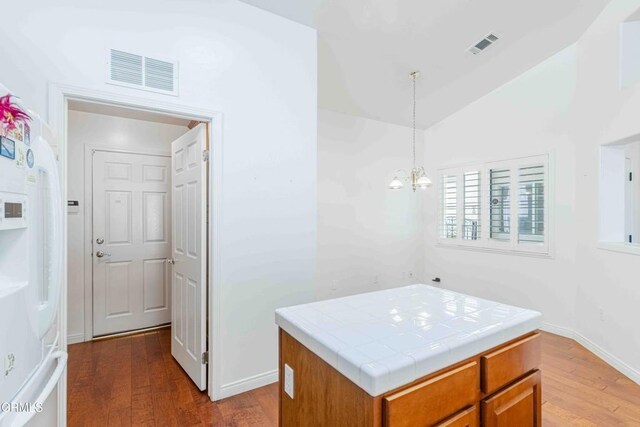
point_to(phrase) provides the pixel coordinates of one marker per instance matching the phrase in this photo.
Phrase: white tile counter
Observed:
(383, 340)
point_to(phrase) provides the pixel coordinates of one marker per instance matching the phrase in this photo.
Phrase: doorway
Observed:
(60, 96)
(137, 226)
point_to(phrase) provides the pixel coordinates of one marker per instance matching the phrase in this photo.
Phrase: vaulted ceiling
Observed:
(366, 49)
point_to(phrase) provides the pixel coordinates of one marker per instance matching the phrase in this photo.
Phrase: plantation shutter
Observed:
(449, 208)
(472, 208)
(531, 203)
(500, 204)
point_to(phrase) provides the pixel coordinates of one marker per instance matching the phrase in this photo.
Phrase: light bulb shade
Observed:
(423, 181)
(395, 184)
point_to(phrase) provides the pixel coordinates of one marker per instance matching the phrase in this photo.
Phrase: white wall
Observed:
(568, 105)
(99, 131)
(515, 121)
(369, 237)
(256, 68)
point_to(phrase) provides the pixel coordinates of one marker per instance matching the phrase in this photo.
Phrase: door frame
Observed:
(58, 97)
(89, 150)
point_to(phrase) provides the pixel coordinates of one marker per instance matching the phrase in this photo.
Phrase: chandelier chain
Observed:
(418, 176)
(413, 76)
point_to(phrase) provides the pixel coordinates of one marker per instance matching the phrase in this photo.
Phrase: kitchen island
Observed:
(411, 356)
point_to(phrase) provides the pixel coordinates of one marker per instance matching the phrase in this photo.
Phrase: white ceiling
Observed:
(127, 113)
(366, 49)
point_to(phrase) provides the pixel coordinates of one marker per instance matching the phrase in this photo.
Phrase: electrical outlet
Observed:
(601, 313)
(288, 380)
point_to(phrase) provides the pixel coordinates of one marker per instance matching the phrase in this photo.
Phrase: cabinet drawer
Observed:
(465, 418)
(519, 404)
(509, 363)
(435, 399)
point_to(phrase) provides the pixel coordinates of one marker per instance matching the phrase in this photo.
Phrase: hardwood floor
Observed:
(135, 381)
(579, 389)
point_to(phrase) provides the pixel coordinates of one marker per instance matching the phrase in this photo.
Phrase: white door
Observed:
(131, 241)
(189, 253)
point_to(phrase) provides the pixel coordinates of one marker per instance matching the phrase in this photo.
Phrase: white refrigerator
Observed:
(31, 254)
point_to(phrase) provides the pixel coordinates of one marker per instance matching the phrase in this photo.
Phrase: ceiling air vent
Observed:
(483, 44)
(141, 72)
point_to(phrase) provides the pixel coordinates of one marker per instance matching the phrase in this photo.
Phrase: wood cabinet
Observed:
(500, 387)
(517, 405)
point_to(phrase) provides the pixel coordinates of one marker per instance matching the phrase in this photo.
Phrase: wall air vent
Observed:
(483, 44)
(141, 72)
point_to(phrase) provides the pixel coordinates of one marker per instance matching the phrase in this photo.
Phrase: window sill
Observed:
(497, 250)
(626, 248)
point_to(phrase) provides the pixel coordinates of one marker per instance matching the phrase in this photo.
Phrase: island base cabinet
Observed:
(517, 405)
(451, 397)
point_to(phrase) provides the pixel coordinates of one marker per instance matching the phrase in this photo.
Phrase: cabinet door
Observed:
(517, 405)
(465, 418)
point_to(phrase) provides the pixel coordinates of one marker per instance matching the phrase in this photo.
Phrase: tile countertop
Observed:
(386, 339)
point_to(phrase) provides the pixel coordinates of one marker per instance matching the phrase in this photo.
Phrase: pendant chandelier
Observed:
(417, 177)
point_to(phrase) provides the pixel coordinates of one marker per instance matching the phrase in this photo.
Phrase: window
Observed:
(619, 196)
(498, 206)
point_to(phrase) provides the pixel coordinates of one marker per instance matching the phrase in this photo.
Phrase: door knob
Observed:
(171, 261)
(101, 254)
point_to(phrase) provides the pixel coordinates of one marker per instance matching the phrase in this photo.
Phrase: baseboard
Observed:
(630, 372)
(612, 360)
(558, 330)
(246, 384)
(75, 338)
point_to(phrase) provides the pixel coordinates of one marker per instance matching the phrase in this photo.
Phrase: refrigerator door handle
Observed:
(49, 306)
(61, 358)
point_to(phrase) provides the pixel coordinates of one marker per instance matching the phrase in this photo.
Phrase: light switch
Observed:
(73, 206)
(288, 380)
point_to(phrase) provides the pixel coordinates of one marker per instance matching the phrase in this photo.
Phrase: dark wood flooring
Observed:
(135, 381)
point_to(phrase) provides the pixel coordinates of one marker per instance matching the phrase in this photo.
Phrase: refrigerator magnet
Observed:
(30, 159)
(7, 148)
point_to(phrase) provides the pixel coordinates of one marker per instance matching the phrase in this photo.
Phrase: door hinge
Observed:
(630, 176)
(205, 357)
(205, 155)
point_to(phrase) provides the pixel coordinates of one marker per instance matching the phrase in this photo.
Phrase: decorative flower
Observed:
(10, 113)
